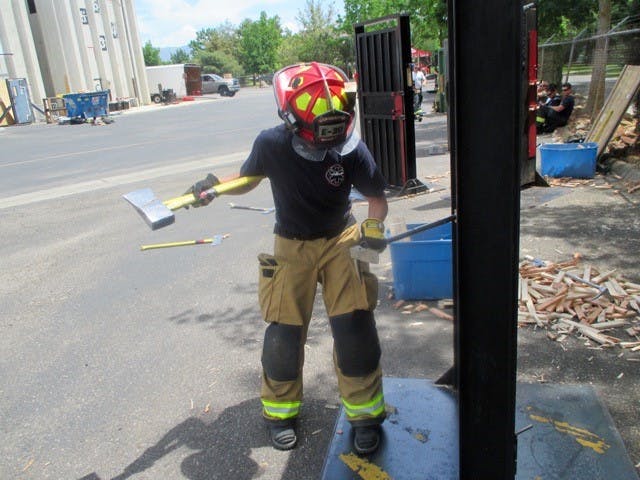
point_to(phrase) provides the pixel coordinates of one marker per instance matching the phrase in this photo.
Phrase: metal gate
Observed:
(385, 90)
(20, 101)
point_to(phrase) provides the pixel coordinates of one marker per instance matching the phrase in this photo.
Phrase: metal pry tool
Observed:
(254, 209)
(365, 254)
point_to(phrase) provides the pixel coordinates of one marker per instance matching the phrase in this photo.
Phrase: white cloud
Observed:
(173, 23)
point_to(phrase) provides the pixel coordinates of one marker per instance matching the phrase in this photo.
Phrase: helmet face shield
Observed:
(313, 102)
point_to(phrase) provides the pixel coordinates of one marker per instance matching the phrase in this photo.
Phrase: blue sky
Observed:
(174, 23)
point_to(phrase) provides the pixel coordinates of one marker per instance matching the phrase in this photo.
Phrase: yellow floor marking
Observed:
(364, 468)
(582, 436)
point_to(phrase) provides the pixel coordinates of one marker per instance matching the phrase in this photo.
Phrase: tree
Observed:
(289, 50)
(151, 54)
(596, 86)
(314, 17)
(180, 56)
(320, 40)
(223, 38)
(220, 63)
(560, 20)
(428, 18)
(259, 42)
(564, 18)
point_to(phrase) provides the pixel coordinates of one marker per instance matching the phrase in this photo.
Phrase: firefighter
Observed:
(312, 161)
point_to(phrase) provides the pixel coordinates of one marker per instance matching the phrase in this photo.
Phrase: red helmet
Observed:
(313, 102)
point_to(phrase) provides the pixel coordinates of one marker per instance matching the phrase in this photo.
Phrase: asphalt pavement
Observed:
(117, 364)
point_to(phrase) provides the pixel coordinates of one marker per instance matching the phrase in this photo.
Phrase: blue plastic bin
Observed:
(422, 266)
(577, 160)
(87, 105)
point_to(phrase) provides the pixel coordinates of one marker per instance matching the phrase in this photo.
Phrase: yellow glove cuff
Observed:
(373, 228)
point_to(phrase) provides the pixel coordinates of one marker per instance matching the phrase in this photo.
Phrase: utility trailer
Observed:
(178, 80)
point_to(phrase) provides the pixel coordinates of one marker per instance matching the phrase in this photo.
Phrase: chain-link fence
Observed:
(577, 60)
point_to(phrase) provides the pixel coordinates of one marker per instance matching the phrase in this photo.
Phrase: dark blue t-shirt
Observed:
(311, 197)
(568, 103)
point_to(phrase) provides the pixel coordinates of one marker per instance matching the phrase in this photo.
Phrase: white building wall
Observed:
(61, 49)
(19, 57)
(125, 69)
(114, 44)
(139, 78)
(80, 19)
(97, 12)
(65, 55)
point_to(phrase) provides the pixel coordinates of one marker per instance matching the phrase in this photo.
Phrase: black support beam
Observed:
(486, 127)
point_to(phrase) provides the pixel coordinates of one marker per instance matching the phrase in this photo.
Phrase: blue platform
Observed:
(572, 436)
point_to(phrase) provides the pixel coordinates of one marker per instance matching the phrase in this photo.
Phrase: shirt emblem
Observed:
(335, 175)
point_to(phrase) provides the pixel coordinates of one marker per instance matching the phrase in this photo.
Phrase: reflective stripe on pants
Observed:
(374, 408)
(281, 410)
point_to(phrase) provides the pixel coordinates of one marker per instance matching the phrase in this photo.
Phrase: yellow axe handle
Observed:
(221, 188)
(176, 244)
(216, 240)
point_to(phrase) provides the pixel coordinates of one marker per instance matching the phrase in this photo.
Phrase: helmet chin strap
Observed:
(315, 154)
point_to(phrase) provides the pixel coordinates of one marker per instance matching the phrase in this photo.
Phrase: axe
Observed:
(159, 214)
(365, 254)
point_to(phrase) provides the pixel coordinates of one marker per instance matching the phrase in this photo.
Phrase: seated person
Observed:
(541, 91)
(553, 97)
(550, 117)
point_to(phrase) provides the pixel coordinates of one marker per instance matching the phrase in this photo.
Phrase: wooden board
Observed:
(5, 104)
(54, 108)
(617, 103)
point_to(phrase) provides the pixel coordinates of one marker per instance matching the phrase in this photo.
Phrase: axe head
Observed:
(364, 254)
(150, 208)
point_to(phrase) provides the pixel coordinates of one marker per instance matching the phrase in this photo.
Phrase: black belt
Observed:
(278, 230)
(305, 236)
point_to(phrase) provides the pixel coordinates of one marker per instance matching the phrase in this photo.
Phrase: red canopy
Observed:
(419, 53)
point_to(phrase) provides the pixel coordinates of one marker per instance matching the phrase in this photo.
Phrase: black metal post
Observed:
(486, 112)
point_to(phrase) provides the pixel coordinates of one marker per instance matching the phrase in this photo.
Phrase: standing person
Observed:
(418, 81)
(312, 160)
(551, 117)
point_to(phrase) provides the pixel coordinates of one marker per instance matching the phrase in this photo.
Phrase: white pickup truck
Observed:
(226, 87)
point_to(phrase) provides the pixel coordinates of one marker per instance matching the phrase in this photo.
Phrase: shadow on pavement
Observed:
(607, 233)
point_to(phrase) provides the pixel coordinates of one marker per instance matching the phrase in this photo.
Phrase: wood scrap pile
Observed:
(574, 182)
(625, 138)
(410, 308)
(629, 186)
(633, 187)
(570, 298)
(624, 143)
(570, 182)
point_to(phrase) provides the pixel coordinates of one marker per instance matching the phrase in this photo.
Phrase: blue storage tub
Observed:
(422, 266)
(87, 105)
(577, 160)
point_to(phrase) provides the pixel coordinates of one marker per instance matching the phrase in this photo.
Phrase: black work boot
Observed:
(282, 436)
(366, 440)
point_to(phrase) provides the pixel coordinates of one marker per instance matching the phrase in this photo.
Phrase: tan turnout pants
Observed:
(287, 290)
